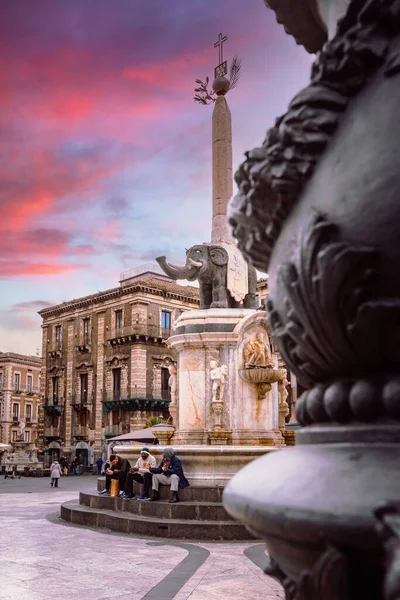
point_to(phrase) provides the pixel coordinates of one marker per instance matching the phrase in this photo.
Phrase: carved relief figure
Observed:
(256, 353)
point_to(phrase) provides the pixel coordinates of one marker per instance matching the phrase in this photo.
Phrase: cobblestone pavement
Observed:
(43, 558)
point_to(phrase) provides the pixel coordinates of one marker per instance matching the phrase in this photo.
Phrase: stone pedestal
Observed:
(221, 335)
(211, 465)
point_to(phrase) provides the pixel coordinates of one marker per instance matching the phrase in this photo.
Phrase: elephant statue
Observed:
(209, 265)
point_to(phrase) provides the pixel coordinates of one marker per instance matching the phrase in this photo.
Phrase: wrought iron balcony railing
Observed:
(132, 332)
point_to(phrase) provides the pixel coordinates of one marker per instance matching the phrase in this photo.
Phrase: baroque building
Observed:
(20, 399)
(106, 362)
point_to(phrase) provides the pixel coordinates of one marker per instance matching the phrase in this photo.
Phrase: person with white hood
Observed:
(55, 473)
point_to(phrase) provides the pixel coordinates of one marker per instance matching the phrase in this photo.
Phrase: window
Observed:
(27, 436)
(55, 390)
(86, 328)
(15, 411)
(257, 301)
(84, 387)
(14, 435)
(28, 413)
(165, 319)
(1, 380)
(58, 335)
(165, 390)
(116, 384)
(29, 382)
(118, 322)
(17, 381)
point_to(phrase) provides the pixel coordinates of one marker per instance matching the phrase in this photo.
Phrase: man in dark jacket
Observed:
(118, 470)
(169, 472)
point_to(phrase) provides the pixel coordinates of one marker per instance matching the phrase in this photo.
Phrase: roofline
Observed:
(14, 357)
(112, 293)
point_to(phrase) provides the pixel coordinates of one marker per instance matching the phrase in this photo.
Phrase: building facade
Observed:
(106, 362)
(20, 398)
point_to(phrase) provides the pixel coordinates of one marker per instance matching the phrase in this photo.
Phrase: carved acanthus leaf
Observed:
(332, 313)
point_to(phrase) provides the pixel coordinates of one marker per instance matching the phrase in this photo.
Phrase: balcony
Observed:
(81, 431)
(83, 345)
(52, 433)
(138, 332)
(55, 350)
(30, 390)
(112, 430)
(81, 404)
(53, 406)
(116, 402)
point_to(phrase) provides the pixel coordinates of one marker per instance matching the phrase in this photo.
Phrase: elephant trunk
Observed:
(175, 272)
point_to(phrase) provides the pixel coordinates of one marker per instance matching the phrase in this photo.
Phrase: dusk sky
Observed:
(105, 157)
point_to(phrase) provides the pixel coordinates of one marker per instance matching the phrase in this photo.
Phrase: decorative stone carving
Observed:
(21, 429)
(283, 394)
(218, 375)
(256, 354)
(258, 366)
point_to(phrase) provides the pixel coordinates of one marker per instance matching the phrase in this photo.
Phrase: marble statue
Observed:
(218, 377)
(282, 385)
(172, 382)
(21, 428)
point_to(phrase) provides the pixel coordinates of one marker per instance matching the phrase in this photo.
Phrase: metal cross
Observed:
(219, 43)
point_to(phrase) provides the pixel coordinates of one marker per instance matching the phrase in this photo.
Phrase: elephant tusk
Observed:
(195, 263)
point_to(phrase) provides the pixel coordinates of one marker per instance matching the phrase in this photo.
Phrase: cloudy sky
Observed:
(105, 158)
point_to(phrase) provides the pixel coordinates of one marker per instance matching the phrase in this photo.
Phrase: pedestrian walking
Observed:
(55, 473)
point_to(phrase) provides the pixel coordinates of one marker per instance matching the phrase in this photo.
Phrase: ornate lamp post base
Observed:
(318, 207)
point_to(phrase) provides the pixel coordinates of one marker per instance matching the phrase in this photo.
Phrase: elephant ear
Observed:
(219, 256)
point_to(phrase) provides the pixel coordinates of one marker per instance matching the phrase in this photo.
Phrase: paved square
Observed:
(43, 557)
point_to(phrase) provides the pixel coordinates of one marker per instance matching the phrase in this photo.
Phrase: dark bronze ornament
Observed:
(328, 579)
(273, 177)
(318, 208)
(333, 310)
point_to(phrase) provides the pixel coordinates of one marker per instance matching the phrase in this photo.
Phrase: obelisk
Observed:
(222, 186)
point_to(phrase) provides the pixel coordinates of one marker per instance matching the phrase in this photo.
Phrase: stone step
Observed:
(191, 510)
(191, 493)
(125, 522)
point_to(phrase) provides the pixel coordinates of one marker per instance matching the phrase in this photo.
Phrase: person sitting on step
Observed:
(169, 472)
(141, 473)
(118, 470)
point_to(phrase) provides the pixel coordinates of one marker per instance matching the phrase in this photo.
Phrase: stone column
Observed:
(222, 186)
(7, 378)
(69, 385)
(138, 372)
(156, 380)
(98, 407)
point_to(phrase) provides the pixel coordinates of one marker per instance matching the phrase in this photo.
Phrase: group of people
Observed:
(146, 472)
